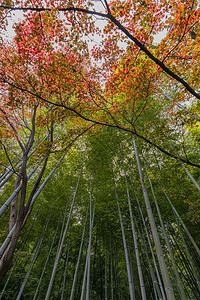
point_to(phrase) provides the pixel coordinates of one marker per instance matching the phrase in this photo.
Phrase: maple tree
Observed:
(120, 82)
(132, 23)
(24, 118)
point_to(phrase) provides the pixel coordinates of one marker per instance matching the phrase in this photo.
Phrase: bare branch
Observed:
(6, 152)
(107, 6)
(132, 131)
(13, 128)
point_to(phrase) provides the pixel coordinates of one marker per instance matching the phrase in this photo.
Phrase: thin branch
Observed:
(13, 169)
(13, 128)
(107, 6)
(31, 137)
(6, 167)
(107, 124)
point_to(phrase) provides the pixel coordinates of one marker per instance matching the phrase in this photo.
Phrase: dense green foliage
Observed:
(103, 160)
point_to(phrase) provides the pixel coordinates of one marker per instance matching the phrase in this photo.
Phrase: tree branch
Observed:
(13, 169)
(106, 124)
(123, 29)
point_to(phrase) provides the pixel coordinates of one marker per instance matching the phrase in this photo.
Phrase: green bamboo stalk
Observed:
(18, 256)
(89, 246)
(106, 277)
(16, 191)
(14, 194)
(11, 172)
(189, 257)
(177, 214)
(62, 228)
(185, 269)
(78, 260)
(8, 175)
(150, 246)
(63, 238)
(46, 262)
(163, 267)
(139, 268)
(111, 268)
(130, 282)
(177, 276)
(32, 262)
(9, 236)
(117, 274)
(65, 275)
(86, 277)
(153, 276)
(94, 266)
(191, 177)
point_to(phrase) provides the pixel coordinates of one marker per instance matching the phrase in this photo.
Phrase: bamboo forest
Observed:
(99, 149)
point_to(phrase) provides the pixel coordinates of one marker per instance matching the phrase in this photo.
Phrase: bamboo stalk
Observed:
(177, 276)
(9, 236)
(106, 277)
(189, 257)
(46, 262)
(191, 177)
(150, 247)
(15, 263)
(131, 288)
(63, 238)
(111, 268)
(65, 275)
(163, 267)
(86, 278)
(78, 260)
(32, 261)
(177, 215)
(139, 268)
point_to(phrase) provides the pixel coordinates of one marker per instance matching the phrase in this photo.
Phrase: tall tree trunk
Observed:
(150, 247)
(8, 247)
(32, 261)
(89, 246)
(139, 268)
(106, 275)
(177, 276)
(163, 267)
(73, 289)
(177, 215)
(130, 282)
(65, 275)
(191, 177)
(45, 265)
(63, 237)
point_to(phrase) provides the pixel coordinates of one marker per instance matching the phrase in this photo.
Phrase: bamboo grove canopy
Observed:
(99, 149)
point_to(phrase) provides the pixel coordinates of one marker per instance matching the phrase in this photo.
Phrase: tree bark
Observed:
(13, 208)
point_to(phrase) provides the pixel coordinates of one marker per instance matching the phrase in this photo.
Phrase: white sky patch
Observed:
(158, 37)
